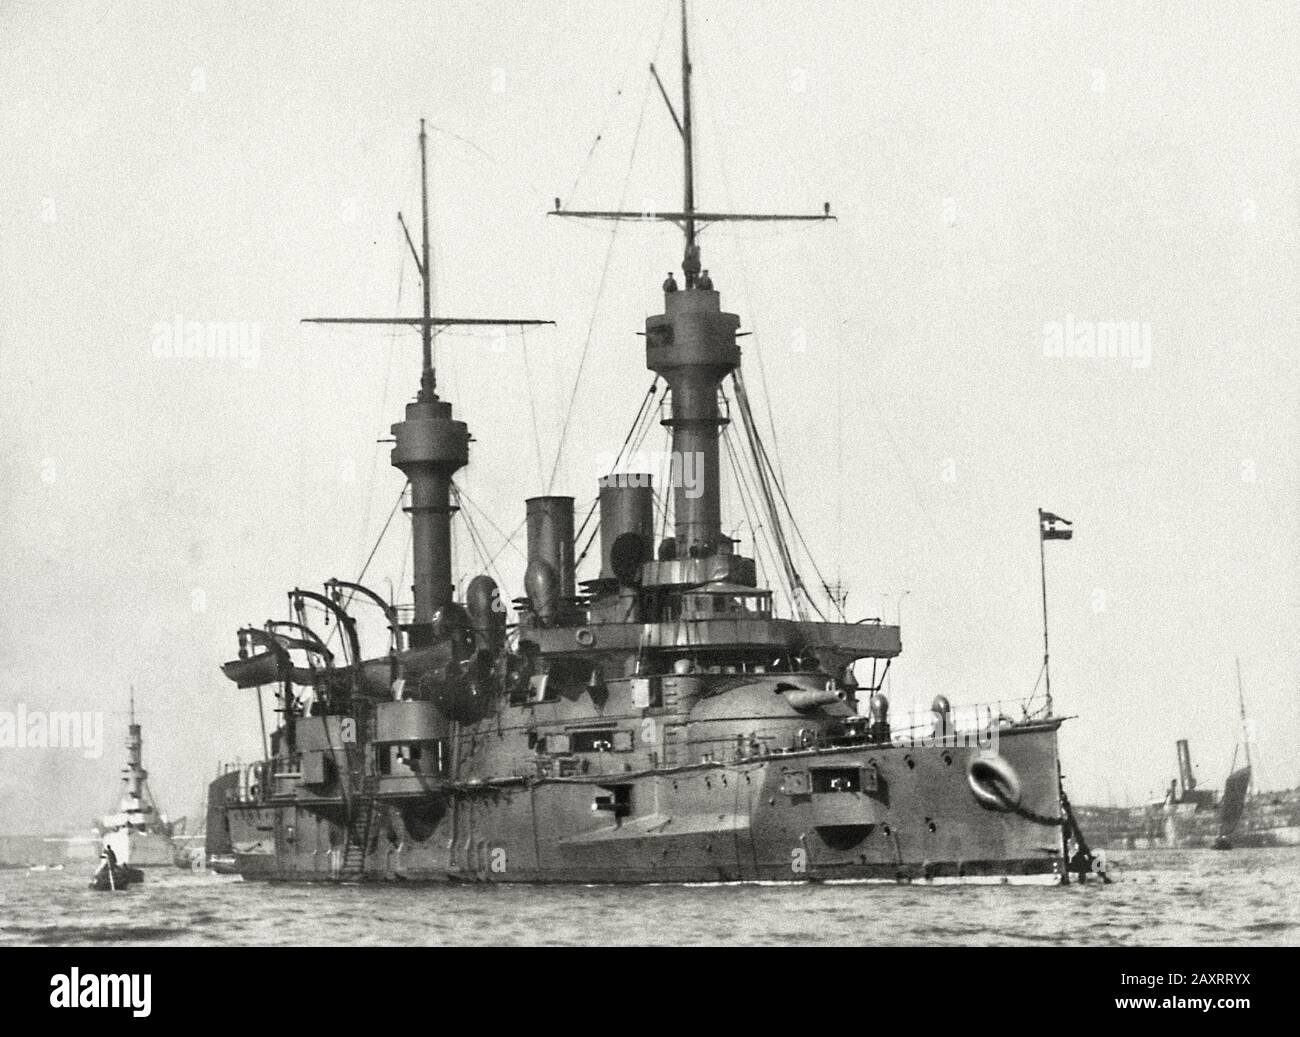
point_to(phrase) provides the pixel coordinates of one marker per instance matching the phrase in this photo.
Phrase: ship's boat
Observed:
(223, 864)
(667, 719)
(115, 877)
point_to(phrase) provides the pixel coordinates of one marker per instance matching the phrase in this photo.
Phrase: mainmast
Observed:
(429, 444)
(692, 344)
(691, 261)
(428, 380)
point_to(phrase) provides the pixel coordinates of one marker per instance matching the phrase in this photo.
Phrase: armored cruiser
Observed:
(665, 720)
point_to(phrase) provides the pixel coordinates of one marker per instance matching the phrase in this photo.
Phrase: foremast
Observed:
(430, 445)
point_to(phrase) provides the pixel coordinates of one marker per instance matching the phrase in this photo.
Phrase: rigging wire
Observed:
(789, 587)
(595, 531)
(351, 594)
(769, 500)
(666, 503)
(744, 279)
(383, 407)
(380, 539)
(600, 290)
(636, 422)
(747, 504)
(532, 399)
(406, 555)
(383, 403)
(794, 523)
(613, 103)
(507, 541)
(661, 478)
(748, 501)
(636, 435)
(476, 539)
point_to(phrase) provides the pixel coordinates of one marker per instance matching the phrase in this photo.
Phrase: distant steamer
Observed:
(1191, 817)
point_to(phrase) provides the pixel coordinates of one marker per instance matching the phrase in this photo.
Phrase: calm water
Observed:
(1158, 897)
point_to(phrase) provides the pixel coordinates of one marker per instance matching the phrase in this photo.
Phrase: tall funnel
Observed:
(430, 447)
(626, 508)
(692, 346)
(550, 539)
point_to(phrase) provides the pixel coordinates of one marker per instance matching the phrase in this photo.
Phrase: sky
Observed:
(1000, 172)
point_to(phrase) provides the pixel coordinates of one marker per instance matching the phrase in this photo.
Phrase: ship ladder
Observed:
(353, 868)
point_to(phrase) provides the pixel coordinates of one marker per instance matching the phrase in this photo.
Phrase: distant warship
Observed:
(661, 721)
(138, 834)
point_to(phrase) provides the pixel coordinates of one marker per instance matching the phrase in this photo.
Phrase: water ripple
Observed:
(1158, 897)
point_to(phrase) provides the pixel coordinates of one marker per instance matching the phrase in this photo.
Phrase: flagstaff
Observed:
(1048, 529)
(1047, 654)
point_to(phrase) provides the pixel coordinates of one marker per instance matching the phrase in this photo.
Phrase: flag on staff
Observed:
(1052, 526)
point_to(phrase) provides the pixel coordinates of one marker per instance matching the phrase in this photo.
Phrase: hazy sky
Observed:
(996, 168)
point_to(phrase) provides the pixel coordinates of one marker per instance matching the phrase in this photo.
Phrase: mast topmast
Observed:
(429, 445)
(689, 219)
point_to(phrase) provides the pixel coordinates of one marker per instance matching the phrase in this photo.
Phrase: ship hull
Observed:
(910, 815)
(141, 849)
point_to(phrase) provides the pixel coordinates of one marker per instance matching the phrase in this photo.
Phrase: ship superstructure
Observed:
(663, 721)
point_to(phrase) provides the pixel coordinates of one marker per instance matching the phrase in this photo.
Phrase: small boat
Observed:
(113, 876)
(120, 876)
(191, 858)
(223, 864)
